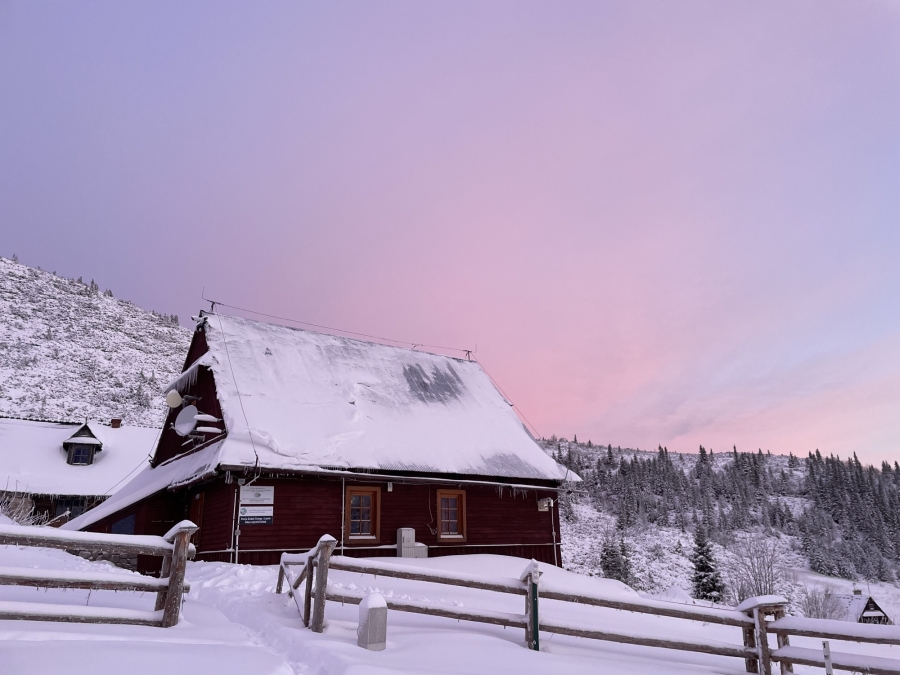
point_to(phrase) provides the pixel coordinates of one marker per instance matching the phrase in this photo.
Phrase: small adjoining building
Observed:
(862, 608)
(49, 469)
(281, 435)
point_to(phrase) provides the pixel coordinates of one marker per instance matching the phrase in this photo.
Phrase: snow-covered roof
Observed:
(32, 458)
(855, 606)
(312, 400)
(148, 482)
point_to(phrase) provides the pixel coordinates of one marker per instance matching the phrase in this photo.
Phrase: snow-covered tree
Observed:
(707, 581)
(615, 560)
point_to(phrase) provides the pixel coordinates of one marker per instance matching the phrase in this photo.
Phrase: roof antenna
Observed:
(212, 303)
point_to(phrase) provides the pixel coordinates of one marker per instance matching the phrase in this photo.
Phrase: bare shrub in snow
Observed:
(19, 508)
(750, 570)
(820, 603)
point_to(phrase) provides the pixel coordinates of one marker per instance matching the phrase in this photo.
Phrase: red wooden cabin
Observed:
(280, 435)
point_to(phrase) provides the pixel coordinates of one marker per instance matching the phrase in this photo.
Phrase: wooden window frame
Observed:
(463, 535)
(375, 537)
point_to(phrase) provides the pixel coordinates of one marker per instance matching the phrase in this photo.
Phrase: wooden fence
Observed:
(174, 547)
(752, 617)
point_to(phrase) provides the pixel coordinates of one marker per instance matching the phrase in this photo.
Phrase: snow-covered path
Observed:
(422, 644)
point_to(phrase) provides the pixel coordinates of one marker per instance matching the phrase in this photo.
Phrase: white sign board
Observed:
(256, 515)
(257, 495)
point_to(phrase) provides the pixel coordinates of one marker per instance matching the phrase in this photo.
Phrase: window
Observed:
(81, 454)
(74, 505)
(451, 506)
(124, 525)
(363, 511)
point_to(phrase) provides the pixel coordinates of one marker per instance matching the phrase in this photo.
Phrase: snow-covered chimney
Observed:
(116, 422)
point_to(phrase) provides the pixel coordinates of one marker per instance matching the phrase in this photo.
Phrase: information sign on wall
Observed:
(256, 515)
(257, 495)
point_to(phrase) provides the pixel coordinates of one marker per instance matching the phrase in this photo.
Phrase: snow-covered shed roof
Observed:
(148, 482)
(32, 458)
(297, 399)
(861, 608)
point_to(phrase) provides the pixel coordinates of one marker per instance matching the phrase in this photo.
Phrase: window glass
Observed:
(449, 515)
(123, 526)
(361, 514)
(74, 505)
(81, 454)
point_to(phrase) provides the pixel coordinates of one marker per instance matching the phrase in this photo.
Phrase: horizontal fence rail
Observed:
(719, 649)
(14, 576)
(830, 629)
(752, 617)
(345, 564)
(414, 607)
(857, 663)
(174, 547)
(94, 542)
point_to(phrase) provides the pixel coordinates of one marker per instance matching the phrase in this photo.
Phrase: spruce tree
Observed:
(614, 559)
(707, 581)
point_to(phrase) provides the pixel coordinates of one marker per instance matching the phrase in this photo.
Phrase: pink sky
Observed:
(661, 223)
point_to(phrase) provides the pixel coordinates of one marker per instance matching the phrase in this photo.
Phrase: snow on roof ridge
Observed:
(205, 315)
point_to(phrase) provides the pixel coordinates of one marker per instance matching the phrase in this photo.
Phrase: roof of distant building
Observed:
(33, 460)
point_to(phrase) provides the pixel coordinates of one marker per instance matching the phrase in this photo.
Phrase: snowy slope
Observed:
(69, 351)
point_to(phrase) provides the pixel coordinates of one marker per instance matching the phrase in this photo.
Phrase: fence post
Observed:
(751, 665)
(826, 652)
(757, 608)
(531, 576)
(783, 641)
(163, 574)
(280, 584)
(325, 549)
(762, 641)
(181, 537)
(307, 594)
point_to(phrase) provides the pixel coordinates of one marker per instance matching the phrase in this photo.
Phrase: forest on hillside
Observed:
(845, 515)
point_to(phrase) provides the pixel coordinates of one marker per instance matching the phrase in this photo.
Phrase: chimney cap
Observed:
(116, 422)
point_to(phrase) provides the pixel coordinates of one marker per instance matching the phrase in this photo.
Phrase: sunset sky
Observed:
(661, 223)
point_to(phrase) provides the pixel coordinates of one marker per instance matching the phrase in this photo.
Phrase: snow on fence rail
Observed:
(174, 547)
(752, 616)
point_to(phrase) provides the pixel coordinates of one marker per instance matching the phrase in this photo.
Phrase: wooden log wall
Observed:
(307, 507)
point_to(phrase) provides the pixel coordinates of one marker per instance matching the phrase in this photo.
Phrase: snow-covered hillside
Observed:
(69, 351)
(824, 524)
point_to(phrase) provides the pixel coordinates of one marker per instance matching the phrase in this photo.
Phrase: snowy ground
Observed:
(205, 636)
(233, 622)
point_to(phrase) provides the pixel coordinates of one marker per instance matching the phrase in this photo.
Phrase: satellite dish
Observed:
(173, 399)
(185, 422)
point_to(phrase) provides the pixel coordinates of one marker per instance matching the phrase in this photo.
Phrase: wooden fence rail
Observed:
(752, 617)
(174, 547)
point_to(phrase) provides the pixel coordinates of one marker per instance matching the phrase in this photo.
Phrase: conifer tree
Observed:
(615, 560)
(707, 581)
